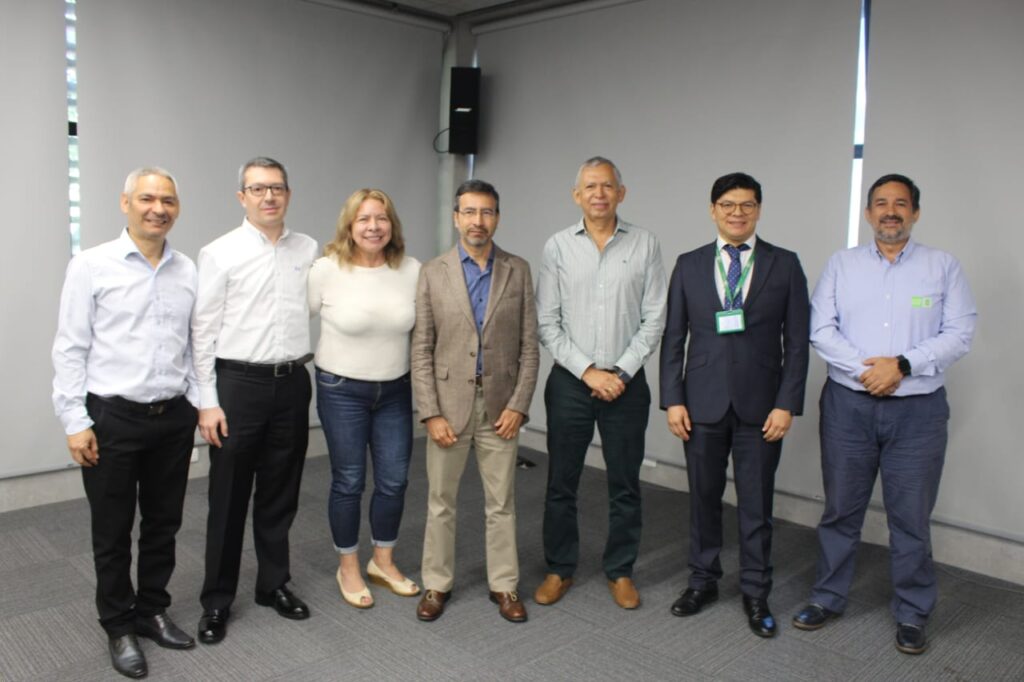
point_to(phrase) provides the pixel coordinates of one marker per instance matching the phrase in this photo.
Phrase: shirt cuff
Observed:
(919, 363)
(628, 363)
(578, 364)
(75, 423)
(208, 397)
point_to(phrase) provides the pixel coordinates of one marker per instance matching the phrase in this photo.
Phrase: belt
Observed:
(479, 380)
(275, 369)
(147, 409)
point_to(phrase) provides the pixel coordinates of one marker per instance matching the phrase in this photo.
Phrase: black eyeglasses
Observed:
(260, 190)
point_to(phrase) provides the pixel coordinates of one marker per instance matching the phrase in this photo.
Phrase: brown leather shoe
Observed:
(624, 592)
(552, 589)
(509, 606)
(431, 605)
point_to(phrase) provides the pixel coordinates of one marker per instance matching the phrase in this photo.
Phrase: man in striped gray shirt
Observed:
(601, 310)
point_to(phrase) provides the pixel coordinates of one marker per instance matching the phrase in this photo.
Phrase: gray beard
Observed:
(900, 235)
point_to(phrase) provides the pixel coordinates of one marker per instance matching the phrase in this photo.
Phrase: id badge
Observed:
(729, 321)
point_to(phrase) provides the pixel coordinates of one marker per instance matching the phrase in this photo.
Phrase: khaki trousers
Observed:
(496, 460)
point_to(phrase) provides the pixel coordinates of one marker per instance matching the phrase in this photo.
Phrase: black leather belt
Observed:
(147, 409)
(479, 380)
(258, 369)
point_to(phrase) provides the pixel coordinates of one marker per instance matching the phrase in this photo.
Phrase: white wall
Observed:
(945, 96)
(677, 94)
(343, 99)
(34, 189)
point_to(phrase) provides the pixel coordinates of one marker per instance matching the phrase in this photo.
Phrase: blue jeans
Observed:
(355, 414)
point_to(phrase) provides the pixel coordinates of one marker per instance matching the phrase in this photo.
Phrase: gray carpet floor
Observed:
(48, 629)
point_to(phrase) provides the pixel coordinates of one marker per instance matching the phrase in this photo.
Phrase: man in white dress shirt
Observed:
(251, 342)
(124, 390)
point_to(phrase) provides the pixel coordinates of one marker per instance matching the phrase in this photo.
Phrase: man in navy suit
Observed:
(742, 304)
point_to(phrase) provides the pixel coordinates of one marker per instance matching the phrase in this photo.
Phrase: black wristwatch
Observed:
(903, 364)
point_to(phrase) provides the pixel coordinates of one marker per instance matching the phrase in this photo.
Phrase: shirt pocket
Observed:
(925, 308)
(295, 271)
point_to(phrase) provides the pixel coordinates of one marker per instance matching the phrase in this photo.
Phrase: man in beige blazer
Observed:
(474, 368)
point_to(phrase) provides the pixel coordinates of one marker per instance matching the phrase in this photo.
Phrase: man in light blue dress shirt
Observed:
(889, 318)
(601, 310)
(125, 391)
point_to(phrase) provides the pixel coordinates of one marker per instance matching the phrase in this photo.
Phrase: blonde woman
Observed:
(364, 289)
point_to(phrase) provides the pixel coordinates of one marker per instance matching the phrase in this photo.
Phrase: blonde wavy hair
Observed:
(342, 247)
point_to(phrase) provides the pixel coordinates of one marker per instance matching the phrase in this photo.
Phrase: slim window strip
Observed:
(74, 174)
(859, 118)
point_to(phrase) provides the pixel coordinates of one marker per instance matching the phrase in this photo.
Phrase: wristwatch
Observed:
(903, 364)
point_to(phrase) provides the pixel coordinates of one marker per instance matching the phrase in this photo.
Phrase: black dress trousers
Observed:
(143, 460)
(262, 457)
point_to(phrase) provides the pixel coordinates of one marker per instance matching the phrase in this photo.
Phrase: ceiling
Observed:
(471, 9)
(451, 8)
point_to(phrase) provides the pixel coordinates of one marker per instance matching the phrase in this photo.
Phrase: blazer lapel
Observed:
(500, 272)
(764, 259)
(457, 283)
(707, 275)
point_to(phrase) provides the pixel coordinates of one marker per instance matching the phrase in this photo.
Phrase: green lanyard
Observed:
(730, 295)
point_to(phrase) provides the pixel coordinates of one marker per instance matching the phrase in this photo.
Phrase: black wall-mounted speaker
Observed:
(464, 110)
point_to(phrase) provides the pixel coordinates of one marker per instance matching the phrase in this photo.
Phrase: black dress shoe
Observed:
(213, 626)
(127, 657)
(163, 631)
(910, 639)
(693, 600)
(812, 617)
(285, 603)
(759, 617)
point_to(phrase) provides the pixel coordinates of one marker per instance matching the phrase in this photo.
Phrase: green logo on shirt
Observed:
(920, 302)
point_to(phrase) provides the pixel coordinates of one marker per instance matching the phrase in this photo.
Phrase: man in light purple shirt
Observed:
(125, 392)
(889, 318)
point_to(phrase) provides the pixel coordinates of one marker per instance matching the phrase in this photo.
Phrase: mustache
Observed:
(893, 217)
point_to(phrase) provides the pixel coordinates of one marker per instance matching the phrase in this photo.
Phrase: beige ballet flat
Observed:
(403, 587)
(355, 598)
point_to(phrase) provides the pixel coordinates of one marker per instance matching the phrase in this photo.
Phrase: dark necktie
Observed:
(732, 278)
